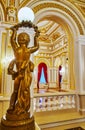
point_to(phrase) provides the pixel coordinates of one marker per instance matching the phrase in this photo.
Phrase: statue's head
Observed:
(23, 39)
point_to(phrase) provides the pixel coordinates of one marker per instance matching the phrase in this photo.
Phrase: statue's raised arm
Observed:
(13, 38)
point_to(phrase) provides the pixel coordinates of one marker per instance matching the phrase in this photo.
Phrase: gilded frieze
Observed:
(44, 38)
(23, 3)
(82, 9)
(46, 60)
(3, 2)
(43, 29)
(77, 1)
(80, 4)
(47, 39)
(55, 5)
(4, 7)
(55, 36)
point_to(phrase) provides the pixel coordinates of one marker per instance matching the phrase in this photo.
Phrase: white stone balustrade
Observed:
(51, 102)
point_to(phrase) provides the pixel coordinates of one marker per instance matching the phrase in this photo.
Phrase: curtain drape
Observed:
(40, 66)
(59, 75)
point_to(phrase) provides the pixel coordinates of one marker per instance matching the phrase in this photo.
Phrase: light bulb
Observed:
(25, 14)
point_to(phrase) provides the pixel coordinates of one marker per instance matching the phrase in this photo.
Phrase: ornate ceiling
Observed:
(50, 29)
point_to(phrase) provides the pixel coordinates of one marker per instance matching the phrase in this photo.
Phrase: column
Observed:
(54, 77)
(50, 77)
(80, 71)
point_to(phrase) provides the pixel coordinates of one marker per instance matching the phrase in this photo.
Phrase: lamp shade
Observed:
(25, 14)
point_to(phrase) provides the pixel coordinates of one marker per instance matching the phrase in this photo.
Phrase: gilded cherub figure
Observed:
(20, 98)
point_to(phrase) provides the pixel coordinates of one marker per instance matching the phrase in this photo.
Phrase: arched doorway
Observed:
(70, 24)
(42, 76)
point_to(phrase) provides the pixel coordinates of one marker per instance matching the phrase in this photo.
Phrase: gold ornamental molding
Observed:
(55, 5)
(81, 8)
(0, 77)
(24, 3)
(39, 60)
(11, 8)
(4, 8)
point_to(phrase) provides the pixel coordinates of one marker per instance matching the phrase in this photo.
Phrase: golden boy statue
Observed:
(20, 98)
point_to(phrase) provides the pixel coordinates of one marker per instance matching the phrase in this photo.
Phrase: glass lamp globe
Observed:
(25, 14)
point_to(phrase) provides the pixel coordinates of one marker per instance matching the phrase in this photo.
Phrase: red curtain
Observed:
(40, 66)
(59, 75)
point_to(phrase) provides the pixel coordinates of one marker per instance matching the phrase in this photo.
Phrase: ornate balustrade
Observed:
(54, 101)
(46, 102)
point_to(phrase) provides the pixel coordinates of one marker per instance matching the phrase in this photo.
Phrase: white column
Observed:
(6, 90)
(80, 63)
(54, 76)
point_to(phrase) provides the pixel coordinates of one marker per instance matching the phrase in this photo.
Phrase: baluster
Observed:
(49, 104)
(34, 104)
(54, 107)
(69, 101)
(59, 102)
(46, 100)
(43, 104)
(73, 101)
(56, 102)
(64, 102)
(38, 105)
(66, 105)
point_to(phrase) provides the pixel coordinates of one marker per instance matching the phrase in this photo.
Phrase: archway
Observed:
(42, 69)
(62, 12)
(71, 20)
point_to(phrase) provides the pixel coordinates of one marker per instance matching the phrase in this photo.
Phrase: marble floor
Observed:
(49, 90)
(59, 120)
